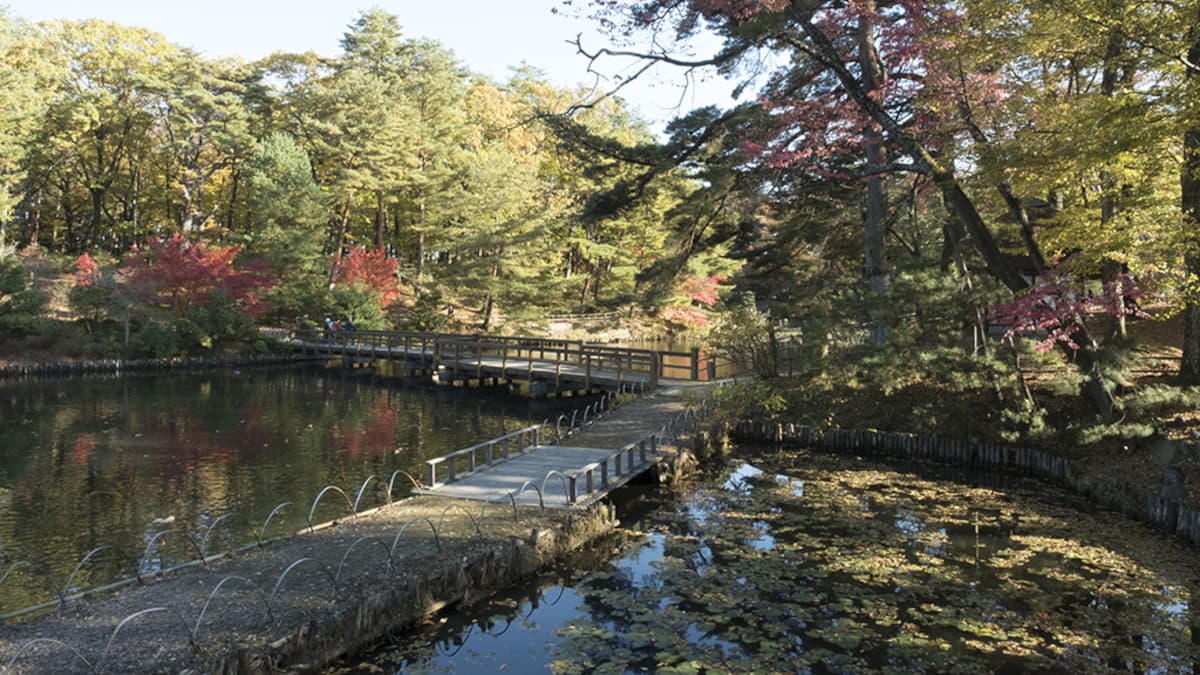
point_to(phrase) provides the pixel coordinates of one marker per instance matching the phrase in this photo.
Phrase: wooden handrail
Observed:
(458, 346)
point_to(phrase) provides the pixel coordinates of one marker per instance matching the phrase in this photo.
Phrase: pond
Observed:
(809, 563)
(88, 463)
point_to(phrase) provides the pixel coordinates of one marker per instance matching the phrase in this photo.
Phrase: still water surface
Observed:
(86, 463)
(806, 563)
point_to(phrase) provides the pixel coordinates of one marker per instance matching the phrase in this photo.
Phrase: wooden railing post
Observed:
(695, 363)
(655, 366)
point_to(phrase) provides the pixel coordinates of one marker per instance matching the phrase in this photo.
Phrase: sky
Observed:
(489, 37)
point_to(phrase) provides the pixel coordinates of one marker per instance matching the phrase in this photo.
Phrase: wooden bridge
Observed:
(548, 366)
(517, 468)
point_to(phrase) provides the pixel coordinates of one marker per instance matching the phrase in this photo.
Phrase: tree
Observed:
(373, 270)
(99, 116)
(287, 212)
(180, 274)
(19, 105)
(825, 89)
(204, 128)
(1190, 205)
(19, 305)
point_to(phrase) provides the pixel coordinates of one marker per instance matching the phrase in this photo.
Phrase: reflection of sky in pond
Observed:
(765, 542)
(739, 480)
(908, 522)
(820, 582)
(796, 485)
(942, 546)
(638, 568)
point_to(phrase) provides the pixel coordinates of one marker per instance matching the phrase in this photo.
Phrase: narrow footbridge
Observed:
(516, 468)
(548, 366)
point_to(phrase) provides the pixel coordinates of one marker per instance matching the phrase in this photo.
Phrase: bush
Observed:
(427, 314)
(158, 341)
(361, 305)
(20, 307)
(215, 321)
(92, 303)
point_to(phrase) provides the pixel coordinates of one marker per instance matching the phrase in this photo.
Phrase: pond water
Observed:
(86, 463)
(808, 563)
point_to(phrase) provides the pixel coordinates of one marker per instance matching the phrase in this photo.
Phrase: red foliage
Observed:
(87, 272)
(1058, 306)
(695, 290)
(704, 291)
(372, 268)
(685, 316)
(178, 273)
(813, 122)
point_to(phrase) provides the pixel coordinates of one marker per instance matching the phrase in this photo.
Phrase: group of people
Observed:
(333, 326)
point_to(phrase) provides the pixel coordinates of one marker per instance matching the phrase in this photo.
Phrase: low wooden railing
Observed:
(458, 350)
(493, 451)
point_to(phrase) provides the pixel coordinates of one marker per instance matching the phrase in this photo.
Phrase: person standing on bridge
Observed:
(328, 330)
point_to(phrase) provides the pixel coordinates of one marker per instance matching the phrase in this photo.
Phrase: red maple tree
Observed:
(178, 273)
(372, 268)
(695, 294)
(1056, 307)
(87, 272)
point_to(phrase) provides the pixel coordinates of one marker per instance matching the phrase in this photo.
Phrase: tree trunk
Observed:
(488, 304)
(874, 221)
(189, 215)
(420, 244)
(1189, 183)
(96, 218)
(234, 183)
(1110, 78)
(35, 217)
(1189, 367)
(380, 219)
(339, 243)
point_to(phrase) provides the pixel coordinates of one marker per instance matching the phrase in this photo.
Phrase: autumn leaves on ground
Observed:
(929, 216)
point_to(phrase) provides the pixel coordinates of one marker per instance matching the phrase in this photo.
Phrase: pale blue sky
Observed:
(487, 35)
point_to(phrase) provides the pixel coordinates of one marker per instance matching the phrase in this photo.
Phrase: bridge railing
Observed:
(460, 350)
(629, 459)
(490, 452)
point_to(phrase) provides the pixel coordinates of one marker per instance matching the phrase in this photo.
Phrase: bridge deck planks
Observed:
(495, 482)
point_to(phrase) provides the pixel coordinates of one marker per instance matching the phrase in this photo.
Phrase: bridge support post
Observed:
(604, 473)
(655, 369)
(641, 451)
(572, 489)
(695, 363)
(617, 464)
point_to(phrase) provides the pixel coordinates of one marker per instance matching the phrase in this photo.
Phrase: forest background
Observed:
(958, 217)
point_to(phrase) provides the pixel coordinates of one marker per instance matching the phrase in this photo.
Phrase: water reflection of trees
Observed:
(91, 462)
